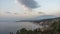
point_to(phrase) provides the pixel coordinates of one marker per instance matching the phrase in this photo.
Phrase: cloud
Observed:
(16, 1)
(29, 3)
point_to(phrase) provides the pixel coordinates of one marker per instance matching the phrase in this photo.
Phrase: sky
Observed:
(12, 8)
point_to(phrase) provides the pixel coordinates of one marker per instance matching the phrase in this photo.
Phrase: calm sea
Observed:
(12, 26)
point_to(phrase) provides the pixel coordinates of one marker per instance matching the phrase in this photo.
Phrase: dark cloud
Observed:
(8, 12)
(16, 13)
(29, 3)
(41, 13)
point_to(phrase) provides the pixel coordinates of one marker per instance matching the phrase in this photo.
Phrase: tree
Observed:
(11, 32)
(23, 31)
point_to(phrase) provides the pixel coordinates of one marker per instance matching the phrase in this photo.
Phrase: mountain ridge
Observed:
(39, 18)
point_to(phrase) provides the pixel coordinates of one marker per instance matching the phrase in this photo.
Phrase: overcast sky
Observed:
(15, 9)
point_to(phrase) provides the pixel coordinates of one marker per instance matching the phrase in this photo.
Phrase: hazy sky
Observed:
(15, 9)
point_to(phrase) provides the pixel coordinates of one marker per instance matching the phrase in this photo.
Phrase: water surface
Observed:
(6, 27)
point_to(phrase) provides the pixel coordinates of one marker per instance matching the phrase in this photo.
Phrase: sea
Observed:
(9, 25)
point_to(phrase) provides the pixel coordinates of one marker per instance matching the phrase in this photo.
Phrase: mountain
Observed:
(38, 18)
(43, 17)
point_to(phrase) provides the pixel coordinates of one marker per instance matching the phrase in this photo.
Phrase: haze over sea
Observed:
(10, 25)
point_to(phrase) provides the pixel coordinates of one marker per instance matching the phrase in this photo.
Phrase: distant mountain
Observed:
(38, 18)
(43, 17)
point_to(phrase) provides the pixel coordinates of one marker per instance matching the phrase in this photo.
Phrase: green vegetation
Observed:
(55, 30)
